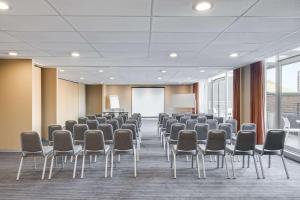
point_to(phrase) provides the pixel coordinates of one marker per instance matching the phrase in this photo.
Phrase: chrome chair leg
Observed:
(51, 167)
(106, 160)
(232, 167)
(44, 167)
(261, 167)
(134, 160)
(198, 165)
(174, 167)
(20, 168)
(225, 160)
(34, 161)
(285, 168)
(256, 169)
(111, 163)
(203, 165)
(75, 166)
(269, 161)
(82, 167)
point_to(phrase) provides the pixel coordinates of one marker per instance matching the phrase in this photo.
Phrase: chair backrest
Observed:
(201, 119)
(78, 131)
(184, 119)
(248, 127)
(169, 124)
(132, 121)
(227, 128)
(175, 128)
(92, 124)
(120, 120)
(123, 139)
(216, 140)
(165, 119)
(108, 117)
(131, 127)
(161, 117)
(69, 124)
(212, 124)
(187, 140)
(245, 141)
(190, 124)
(124, 117)
(82, 120)
(178, 116)
(202, 130)
(31, 142)
(275, 140)
(209, 116)
(63, 141)
(219, 119)
(91, 117)
(194, 116)
(114, 123)
(94, 140)
(233, 123)
(101, 120)
(51, 129)
(107, 131)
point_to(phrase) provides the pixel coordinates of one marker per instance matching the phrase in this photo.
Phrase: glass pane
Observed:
(270, 97)
(222, 97)
(230, 94)
(215, 100)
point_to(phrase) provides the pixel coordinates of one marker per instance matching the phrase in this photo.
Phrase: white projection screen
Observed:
(148, 101)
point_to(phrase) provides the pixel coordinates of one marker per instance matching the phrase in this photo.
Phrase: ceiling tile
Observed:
(60, 46)
(116, 37)
(191, 24)
(186, 8)
(171, 47)
(124, 54)
(121, 47)
(103, 7)
(33, 23)
(14, 46)
(4, 37)
(110, 23)
(182, 37)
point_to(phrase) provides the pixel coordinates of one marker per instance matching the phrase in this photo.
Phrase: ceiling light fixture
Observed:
(159, 78)
(163, 71)
(100, 70)
(233, 55)
(111, 78)
(202, 71)
(13, 53)
(4, 6)
(173, 55)
(81, 78)
(283, 56)
(75, 54)
(203, 6)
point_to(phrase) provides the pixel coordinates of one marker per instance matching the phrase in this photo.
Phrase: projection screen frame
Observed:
(149, 87)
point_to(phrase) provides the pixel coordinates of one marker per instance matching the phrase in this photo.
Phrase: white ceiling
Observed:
(131, 39)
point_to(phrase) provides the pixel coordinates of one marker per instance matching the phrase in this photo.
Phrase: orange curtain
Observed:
(258, 99)
(196, 92)
(236, 96)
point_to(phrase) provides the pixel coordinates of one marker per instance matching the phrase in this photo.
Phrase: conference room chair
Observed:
(114, 123)
(194, 116)
(184, 119)
(273, 145)
(92, 124)
(108, 133)
(212, 124)
(123, 144)
(233, 123)
(135, 137)
(124, 116)
(219, 119)
(160, 123)
(163, 128)
(215, 146)
(245, 146)
(227, 128)
(173, 138)
(94, 145)
(134, 121)
(63, 146)
(82, 120)
(31, 146)
(246, 127)
(178, 116)
(51, 129)
(120, 120)
(201, 119)
(101, 120)
(209, 116)
(98, 115)
(187, 146)
(69, 124)
(91, 117)
(201, 130)
(78, 133)
(108, 117)
(190, 124)
(167, 132)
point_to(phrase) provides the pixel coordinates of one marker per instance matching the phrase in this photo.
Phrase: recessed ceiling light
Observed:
(283, 56)
(4, 6)
(81, 78)
(173, 55)
(296, 49)
(203, 6)
(202, 71)
(62, 70)
(159, 78)
(233, 55)
(163, 71)
(75, 54)
(13, 53)
(111, 78)
(100, 70)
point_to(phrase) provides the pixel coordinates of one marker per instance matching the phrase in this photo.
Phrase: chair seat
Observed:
(106, 149)
(259, 149)
(201, 141)
(203, 149)
(182, 152)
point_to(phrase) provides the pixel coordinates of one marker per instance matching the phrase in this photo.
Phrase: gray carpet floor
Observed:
(153, 180)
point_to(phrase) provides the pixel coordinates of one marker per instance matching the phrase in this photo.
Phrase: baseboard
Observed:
(10, 150)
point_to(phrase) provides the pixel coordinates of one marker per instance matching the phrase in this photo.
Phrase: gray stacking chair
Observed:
(160, 122)
(167, 133)
(135, 136)
(190, 124)
(163, 128)
(78, 132)
(108, 133)
(233, 123)
(124, 117)
(178, 116)
(227, 128)
(248, 127)
(69, 124)
(194, 116)
(212, 124)
(219, 119)
(120, 120)
(51, 129)
(202, 119)
(92, 124)
(82, 120)
(201, 130)
(63, 146)
(216, 143)
(245, 145)
(186, 145)
(175, 128)
(101, 120)
(108, 117)
(123, 143)
(31, 145)
(114, 123)
(94, 145)
(91, 117)
(273, 145)
(184, 119)
(209, 116)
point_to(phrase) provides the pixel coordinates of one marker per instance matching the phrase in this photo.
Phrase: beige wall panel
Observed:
(81, 100)
(36, 99)
(93, 99)
(245, 95)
